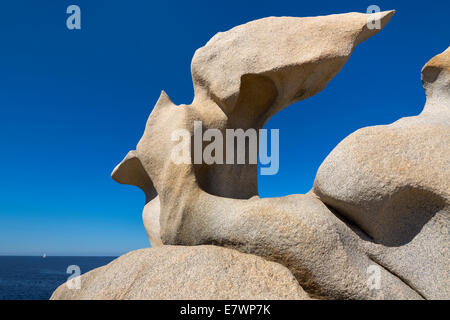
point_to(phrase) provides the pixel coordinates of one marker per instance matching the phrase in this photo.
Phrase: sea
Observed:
(35, 278)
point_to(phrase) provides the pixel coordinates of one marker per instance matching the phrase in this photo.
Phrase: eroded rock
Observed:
(218, 204)
(176, 272)
(393, 181)
(381, 198)
(256, 69)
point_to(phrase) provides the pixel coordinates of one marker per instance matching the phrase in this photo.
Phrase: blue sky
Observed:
(72, 103)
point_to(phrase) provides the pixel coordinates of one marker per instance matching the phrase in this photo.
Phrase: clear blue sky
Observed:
(72, 103)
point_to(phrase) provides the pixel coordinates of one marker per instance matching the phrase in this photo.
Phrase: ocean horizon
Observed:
(36, 277)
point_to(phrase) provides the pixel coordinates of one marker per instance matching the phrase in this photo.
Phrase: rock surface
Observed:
(150, 217)
(269, 84)
(198, 205)
(213, 205)
(327, 256)
(175, 272)
(380, 199)
(130, 171)
(393, 181)
(245, 75)
(277, 61)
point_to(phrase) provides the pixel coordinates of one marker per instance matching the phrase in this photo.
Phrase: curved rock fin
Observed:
(257, 69)
(130, 171)
(163, 101)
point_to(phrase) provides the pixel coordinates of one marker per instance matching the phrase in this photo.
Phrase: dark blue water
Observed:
(36, 278)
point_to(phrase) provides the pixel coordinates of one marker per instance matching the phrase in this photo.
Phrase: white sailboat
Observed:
(44, 255)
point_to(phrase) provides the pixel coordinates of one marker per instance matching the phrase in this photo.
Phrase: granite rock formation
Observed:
(380, 199)
(393, 181)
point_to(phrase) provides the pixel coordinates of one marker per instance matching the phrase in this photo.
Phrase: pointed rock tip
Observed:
(163, 97)
(439, 62)
(163, 101)
(115, 173)
(384, 16)
(369, 30)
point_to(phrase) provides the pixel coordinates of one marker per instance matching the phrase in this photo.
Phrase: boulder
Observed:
(393, 181)
(176, 272)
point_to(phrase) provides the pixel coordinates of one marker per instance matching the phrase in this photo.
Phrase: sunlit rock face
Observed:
(379, 202)
(393, 181)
